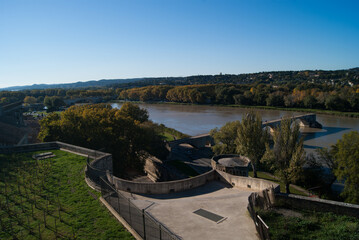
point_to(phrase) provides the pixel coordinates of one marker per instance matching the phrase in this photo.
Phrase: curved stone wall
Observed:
(255, 184)
(161, 187)
(234, 170)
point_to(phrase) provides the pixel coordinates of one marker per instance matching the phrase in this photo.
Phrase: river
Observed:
(199, 119)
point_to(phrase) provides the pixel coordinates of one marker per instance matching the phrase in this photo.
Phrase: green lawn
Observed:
(170, 134)
(168, 137)
(263, 175)
(183, 167)
(52, 191)
(310, 225)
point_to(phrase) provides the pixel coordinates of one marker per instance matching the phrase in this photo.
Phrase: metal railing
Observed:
(261, 226)
(140, 220)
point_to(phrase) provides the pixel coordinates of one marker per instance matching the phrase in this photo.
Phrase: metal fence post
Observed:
(129, 210)
(159, 226)
(144, 224)
(118, 202)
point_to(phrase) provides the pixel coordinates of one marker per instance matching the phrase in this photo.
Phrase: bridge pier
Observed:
(306, 120)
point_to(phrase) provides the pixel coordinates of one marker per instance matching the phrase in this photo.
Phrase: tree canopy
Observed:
(102, 127)
(224, 138)
(53, 103)
(133, 111)
(251, 139)
(346, 156)
(287, 156)
(246, 138)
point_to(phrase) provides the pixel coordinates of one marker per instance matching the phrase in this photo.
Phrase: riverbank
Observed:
(308, 110)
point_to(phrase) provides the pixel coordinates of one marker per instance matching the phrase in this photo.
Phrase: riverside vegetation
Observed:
(283, 155)
(333, 92)
(126, 133)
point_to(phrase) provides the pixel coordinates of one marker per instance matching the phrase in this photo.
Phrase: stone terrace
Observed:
(175, 210)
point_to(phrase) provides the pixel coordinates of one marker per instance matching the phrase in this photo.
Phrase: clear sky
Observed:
(58, 41)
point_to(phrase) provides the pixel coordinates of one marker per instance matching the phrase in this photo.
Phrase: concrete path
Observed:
(175, 211)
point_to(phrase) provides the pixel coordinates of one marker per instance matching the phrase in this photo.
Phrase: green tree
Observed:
(334, 102)
(310, 101)
(224, 138)
(101, 127)
(29, 100)
(275, 99)
(347, 159)
(251, 139)
(287, 156)
(135, 112)
(53, 103)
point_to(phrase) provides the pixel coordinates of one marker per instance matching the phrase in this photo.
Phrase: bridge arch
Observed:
(305, 120)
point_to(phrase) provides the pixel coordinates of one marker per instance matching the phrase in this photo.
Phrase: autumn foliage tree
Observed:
(102, 127)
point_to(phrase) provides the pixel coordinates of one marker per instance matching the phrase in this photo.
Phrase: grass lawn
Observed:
(168, 137)
(49, 199)
(310, 225)
(170, 134)
(183, 167)
(292, 190)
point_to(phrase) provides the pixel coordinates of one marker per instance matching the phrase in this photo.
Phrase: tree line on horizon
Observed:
(313, 96)
(330, 90)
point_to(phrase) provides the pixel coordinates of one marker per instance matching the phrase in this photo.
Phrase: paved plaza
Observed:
(176, 211)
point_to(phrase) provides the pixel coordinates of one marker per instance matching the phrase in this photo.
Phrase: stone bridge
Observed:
(306, 120)
(198, 141)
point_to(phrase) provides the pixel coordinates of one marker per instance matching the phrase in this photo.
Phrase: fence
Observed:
(262, 228)
(140, 220)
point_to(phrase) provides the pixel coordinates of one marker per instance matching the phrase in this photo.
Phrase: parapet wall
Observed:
(317, 204)
(255, 184)
(189, 183)
(29, 147)
(101, 162)
(161, 187)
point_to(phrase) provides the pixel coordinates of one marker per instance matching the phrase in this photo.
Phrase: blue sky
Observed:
(58, 41)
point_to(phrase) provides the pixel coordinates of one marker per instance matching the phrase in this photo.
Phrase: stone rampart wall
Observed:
(255, 184)
(189, 183)
(162, 187)
(196, 141)
(29, 147)
(317, 204)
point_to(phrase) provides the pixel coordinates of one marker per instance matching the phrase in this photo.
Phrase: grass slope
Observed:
(311, 225)
(49, 199)
(266, 176)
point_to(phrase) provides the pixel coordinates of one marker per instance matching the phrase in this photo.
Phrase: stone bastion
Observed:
(231, 163)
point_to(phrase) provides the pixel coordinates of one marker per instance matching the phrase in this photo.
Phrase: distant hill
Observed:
(87, 84)
(275, 77)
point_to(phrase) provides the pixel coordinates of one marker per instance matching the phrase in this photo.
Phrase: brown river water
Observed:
(199, 119)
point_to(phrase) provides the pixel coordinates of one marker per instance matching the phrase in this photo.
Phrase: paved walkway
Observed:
(176, 212)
